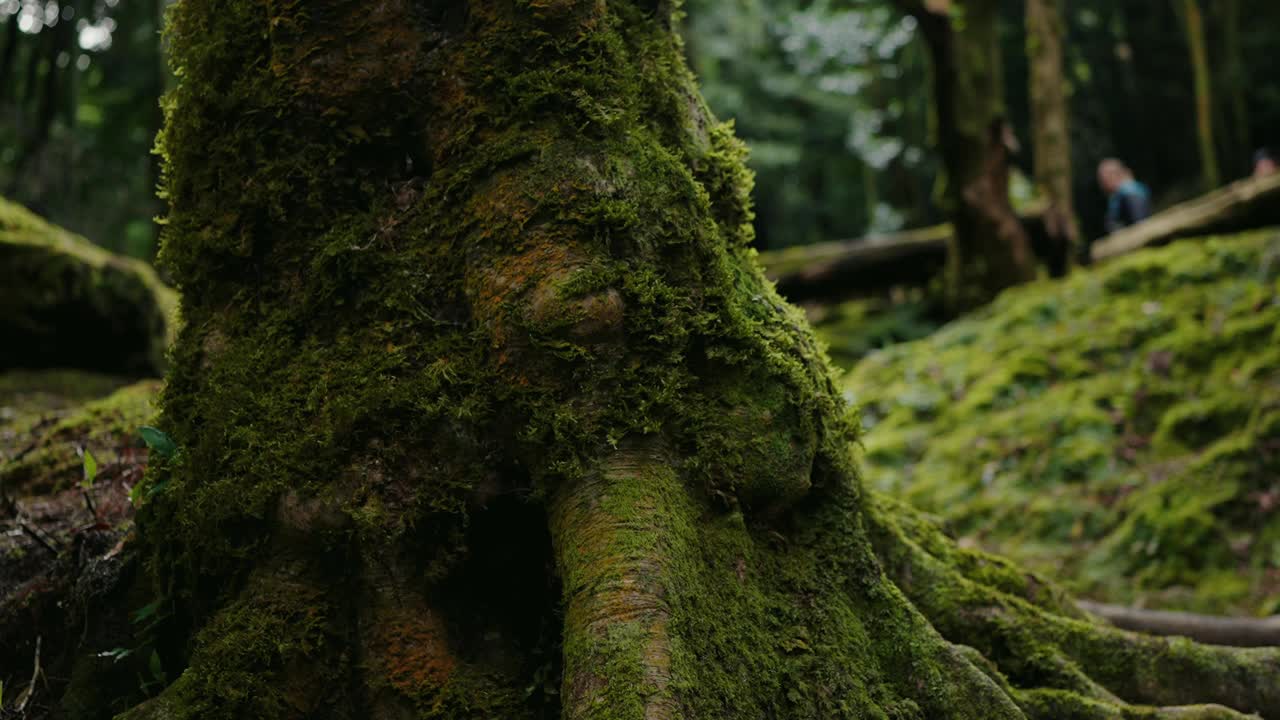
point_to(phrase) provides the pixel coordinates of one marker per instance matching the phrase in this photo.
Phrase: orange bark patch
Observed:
(415, 652)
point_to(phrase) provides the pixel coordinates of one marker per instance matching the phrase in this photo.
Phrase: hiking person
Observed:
(1264, 163)
(1128, 201)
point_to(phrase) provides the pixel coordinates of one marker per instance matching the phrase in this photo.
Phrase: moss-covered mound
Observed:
(48, 418)
(854, 329)
(67, 303)
(1120, 429)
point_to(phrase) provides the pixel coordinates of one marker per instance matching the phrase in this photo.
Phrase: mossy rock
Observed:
(1119, 429)
(65, 302)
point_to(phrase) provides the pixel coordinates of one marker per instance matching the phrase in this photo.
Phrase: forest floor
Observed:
(63, 520)
(1118, 431)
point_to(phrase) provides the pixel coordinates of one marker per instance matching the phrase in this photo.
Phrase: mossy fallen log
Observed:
(875, 265)
(865, 266)
(67, 303)
(1244, 205)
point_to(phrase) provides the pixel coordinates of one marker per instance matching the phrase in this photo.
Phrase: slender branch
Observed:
(30, 531)
(35, 675)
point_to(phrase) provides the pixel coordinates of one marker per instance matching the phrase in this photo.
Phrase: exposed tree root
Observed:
(613, 546)
(1236, 632)
(1049, 651)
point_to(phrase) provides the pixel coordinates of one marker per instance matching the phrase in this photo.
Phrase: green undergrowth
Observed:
(48, 417)
(1119, 430)
(852, 330)
(28, 392)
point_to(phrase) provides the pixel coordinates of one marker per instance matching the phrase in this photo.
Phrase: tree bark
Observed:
(991, 251)
(483, 408)
(1051, 132)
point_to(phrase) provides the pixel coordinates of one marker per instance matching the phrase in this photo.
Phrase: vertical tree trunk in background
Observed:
(7, 56)
(484, 409)
(1237, 77)
(991, 250)
(52, 99)
(1050, 113)
(1193, 24)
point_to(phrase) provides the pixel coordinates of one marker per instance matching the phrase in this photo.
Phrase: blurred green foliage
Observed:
(831, 99)
(80, 82)
(832, 95)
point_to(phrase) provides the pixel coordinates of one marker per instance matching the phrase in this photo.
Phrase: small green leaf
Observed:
(157, 670)
(158, 441)
(90, 469)
(116, 654)
(147, 611)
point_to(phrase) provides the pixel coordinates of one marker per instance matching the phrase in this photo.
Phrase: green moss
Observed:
(565, 265)
(471, 256)
(853, 330)
(67, 303)
(1107, 428)
(31, 392)
(250, 662)
(41, 450)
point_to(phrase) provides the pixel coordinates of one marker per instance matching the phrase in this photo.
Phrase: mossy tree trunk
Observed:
(991, 250)
(1051, 132)
(484, 409)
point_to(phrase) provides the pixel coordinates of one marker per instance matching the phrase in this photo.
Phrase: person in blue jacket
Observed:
(1128, 201)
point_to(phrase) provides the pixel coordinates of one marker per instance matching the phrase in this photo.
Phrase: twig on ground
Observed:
(35, 675)
(30, 531)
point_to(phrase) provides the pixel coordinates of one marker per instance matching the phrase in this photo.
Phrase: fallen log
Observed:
(65, 302)
(1235, 632)
(1244, 205)
(872, 266)
(864, 266)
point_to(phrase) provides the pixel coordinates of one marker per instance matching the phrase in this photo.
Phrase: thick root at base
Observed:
(674, 609)
(612, 545)
(1036, 639)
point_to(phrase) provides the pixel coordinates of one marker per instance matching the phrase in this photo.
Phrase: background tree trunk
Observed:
(991, 251)
(483, 408)
(1237, 78)
(7, 56)
(1050, 128)
(1193, 22)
